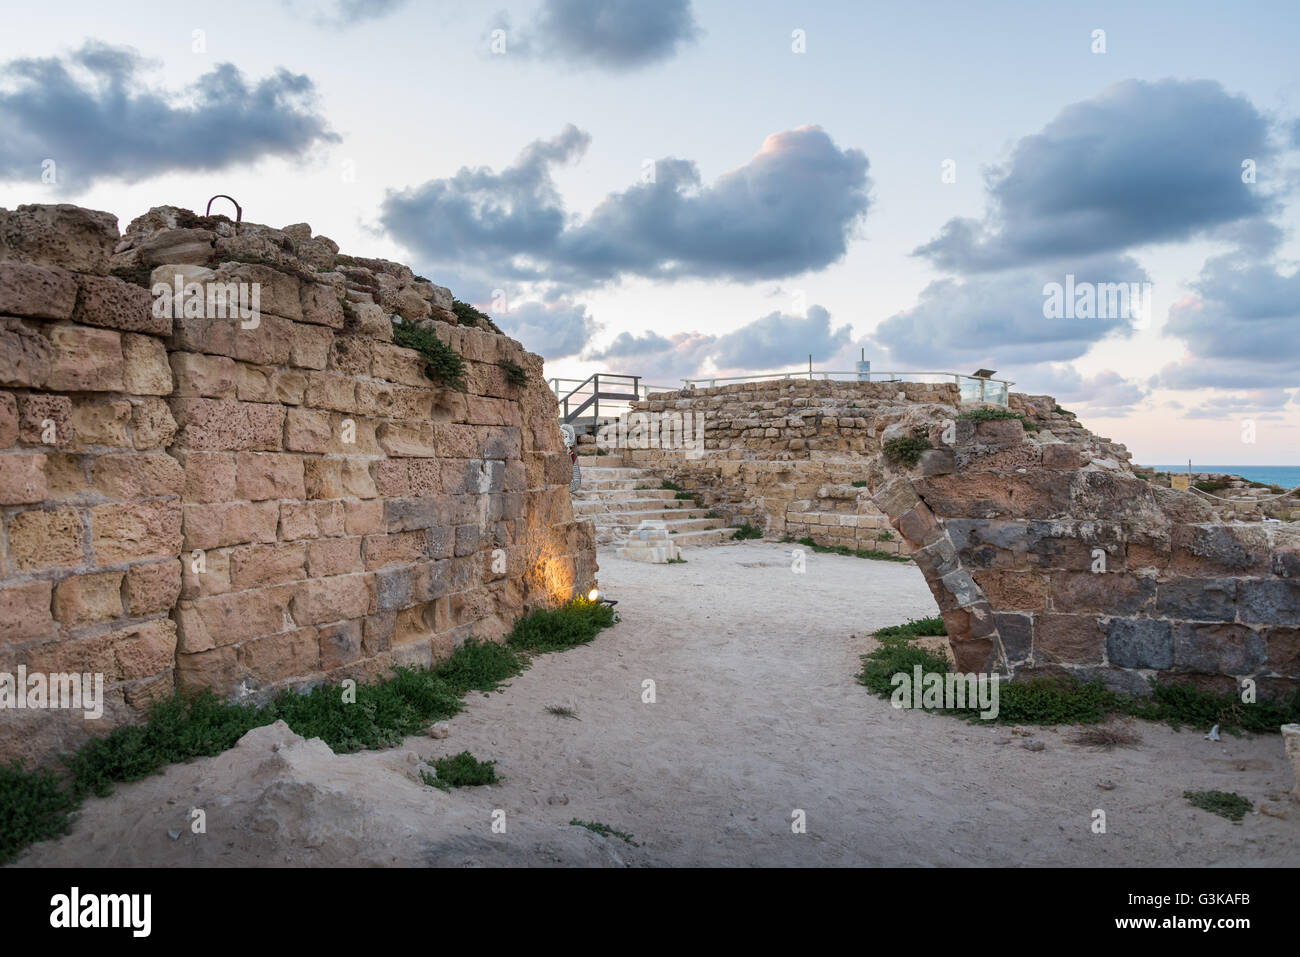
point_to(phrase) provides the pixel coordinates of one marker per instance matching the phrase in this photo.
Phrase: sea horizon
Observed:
(1287, 476)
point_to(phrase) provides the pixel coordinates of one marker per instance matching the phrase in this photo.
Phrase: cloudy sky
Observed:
(690, 187)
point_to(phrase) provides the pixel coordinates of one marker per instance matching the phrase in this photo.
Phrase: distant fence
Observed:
(607, 395)
(973, 388)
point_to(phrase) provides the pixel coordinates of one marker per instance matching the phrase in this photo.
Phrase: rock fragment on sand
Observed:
(1291, 740)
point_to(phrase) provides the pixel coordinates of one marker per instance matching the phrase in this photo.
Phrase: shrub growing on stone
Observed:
(515, 373)
(906, 450)
(442, 363)
(467, 315)
(985, 415)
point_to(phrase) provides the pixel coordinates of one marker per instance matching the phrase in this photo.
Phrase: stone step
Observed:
(670, 517)
(713, 536)
(616, 498)
(627, 495)
(619, 485)
(656, 505)
(601, 472)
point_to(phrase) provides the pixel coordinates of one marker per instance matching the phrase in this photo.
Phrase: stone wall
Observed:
(189, 502)
(1043, 549)
(785, 454)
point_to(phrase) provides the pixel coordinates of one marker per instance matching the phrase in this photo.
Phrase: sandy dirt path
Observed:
(757, 714)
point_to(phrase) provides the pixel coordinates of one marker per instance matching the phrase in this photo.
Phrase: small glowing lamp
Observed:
(593, 595)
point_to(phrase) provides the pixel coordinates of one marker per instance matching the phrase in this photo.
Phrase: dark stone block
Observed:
(1218, 649)
(1198, 599)
(1269, 601)
(1017, 633)
(1140, 643)
(395, 588)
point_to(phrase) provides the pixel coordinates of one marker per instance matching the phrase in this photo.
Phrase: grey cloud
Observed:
(348, 12)
(780, 341)
(996, 321)
(552, 329)
(790, 209)
(653, 356)
(613, 35)
(1106, 394)
(1263, 403)
(1143, 162)
(93, 114)
(773, 342)
(1240, 327)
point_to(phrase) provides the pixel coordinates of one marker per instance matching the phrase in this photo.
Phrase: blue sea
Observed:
(1287, 476)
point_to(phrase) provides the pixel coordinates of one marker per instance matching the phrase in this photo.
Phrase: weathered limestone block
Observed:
(332, 599)
(278, 292)
(272, 658)
(308, 430)
(210, 424)
(152, 425)
(63, 235)
(218, 524)
(47, 538)
(204, 376)
(129, 532)
(310, 348)
(1220, 549)
(255, 566)
(25, 354)
(22, 479)
(45, 419)
(269, 475)
(222, 620)
(1072, 639)
(109, 302)
(83, 359)
(36, 292)
(8, 420)
(25, 611)
(136, 475)
(87, 599)
(152, 588)
(1218, 648)
(334, 556)
(1115, 593)
(145, 369)
(320, 305)
(95, 422)
(177, 247)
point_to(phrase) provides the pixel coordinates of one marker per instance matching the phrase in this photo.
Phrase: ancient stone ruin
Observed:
(1043, 549)
(251, 505)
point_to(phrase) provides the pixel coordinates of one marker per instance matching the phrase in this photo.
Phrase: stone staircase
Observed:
(617, 498)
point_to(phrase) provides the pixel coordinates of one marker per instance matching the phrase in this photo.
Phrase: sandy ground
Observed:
(756, 714)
